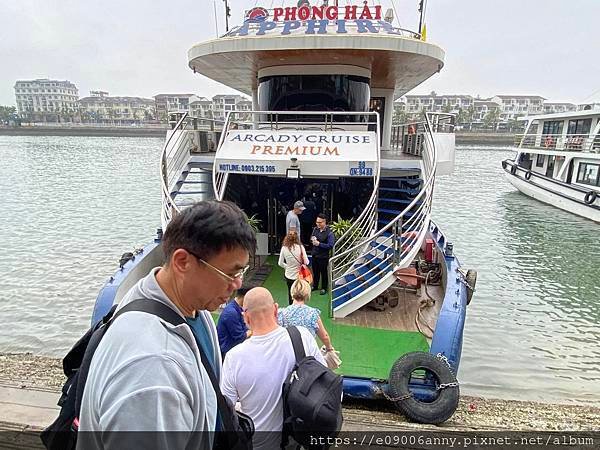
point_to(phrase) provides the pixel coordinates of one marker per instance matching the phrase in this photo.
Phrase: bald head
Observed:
(261, 312)
(258, 300)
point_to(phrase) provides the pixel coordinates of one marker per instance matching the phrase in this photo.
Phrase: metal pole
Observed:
(421, 15)
(226, 16)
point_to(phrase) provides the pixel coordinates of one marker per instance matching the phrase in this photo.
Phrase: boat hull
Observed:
(558, 195)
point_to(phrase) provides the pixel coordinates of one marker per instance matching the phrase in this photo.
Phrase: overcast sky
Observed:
(139, 48)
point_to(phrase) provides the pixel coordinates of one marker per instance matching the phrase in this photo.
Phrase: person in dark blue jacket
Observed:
(322, 240)
(231, 328)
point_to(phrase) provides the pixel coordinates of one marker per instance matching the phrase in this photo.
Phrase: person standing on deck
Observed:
(254, 371)
(231, 328)
(292, 222)
(291, 258)
(322, 240)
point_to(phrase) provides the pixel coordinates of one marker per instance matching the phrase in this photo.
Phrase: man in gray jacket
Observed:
(146, 374)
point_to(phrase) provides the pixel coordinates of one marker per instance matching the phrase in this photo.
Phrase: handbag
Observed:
(304, 273)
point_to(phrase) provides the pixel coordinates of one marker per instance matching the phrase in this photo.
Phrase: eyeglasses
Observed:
(230, 278)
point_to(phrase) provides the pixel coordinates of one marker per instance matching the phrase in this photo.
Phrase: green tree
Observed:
(7, 113)
(492, 117)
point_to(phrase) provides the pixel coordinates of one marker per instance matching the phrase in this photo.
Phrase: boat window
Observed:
(580, 126)
(539, 162)
(315, 93)
(589, 174)
(552, 127)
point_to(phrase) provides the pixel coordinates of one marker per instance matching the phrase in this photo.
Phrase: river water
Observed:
(72, 205)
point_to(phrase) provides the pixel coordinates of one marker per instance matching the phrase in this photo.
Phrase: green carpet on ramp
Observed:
(365, 352)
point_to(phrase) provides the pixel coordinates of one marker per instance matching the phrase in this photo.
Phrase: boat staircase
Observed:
(388, 234)
(186, 176)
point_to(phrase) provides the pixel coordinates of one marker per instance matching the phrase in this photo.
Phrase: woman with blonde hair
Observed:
(291, 257)
(301, 315)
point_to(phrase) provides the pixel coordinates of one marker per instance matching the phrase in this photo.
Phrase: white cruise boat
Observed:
(558, 161)
(323, 81)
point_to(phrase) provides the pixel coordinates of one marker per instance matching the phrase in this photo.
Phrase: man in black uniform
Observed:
(322, 240)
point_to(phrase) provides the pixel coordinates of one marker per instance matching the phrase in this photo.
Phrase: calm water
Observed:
(71, 206)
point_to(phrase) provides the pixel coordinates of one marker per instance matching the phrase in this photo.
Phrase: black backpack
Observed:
(312, 399)
(62, 433)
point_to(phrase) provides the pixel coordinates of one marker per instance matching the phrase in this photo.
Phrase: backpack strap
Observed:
(296, 338)
(143, 305)
(222, 405)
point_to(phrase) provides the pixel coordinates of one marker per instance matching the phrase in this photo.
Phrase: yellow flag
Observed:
(424, 33)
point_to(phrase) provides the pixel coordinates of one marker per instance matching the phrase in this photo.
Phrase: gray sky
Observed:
(139, 48)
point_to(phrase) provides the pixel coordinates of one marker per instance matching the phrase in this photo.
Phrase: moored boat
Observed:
(323, 81)
(558, 161)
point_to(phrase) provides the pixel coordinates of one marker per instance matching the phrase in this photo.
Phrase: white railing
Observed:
(568, 142)
(399, 235)
(175, 157)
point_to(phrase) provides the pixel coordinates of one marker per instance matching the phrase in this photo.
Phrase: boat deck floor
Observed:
(403, 316)
(369, 341)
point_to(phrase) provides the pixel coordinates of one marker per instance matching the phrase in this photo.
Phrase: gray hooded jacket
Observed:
(146, 375)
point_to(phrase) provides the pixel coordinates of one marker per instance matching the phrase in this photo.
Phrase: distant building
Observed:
(224, 103)
(437, 103)
(99, 107)
(166, 103)
(550, 108)
(513, 106)
(200, 107)
(45, 100)
(588, 106)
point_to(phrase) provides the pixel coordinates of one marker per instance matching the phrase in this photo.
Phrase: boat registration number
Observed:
(361, 170)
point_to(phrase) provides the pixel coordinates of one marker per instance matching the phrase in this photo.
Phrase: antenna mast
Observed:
(422, 13)
(227, 14)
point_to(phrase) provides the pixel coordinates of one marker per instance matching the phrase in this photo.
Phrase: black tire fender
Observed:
(442, 407)
(590, 197)
(528, 175)
(513, 169)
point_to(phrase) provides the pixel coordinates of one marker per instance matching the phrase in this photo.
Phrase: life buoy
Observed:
(513, 169)
(528, 175)
(548, 142)
(590, 197)
(411, 129)
(442, 407)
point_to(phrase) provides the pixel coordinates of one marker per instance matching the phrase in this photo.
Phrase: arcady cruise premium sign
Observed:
(315, 154)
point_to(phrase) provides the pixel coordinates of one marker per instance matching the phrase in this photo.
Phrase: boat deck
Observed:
(404, 315)
(369, 341)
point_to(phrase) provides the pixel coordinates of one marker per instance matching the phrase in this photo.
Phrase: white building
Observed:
(200, 107)
(46, 100)
(513, 106)
(550, 107)
(224, 103)
(99, 107)
(437, 103)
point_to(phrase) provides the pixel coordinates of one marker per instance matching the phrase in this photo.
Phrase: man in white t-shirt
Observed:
(254, 371)
(292, 222)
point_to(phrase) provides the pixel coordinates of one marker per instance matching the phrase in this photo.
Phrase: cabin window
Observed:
(539, 162)
(552, 127)
(580, 126)
(589, 174)
(315, 93)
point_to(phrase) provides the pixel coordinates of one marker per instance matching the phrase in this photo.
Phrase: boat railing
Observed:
(570, 142)
(401, 234)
